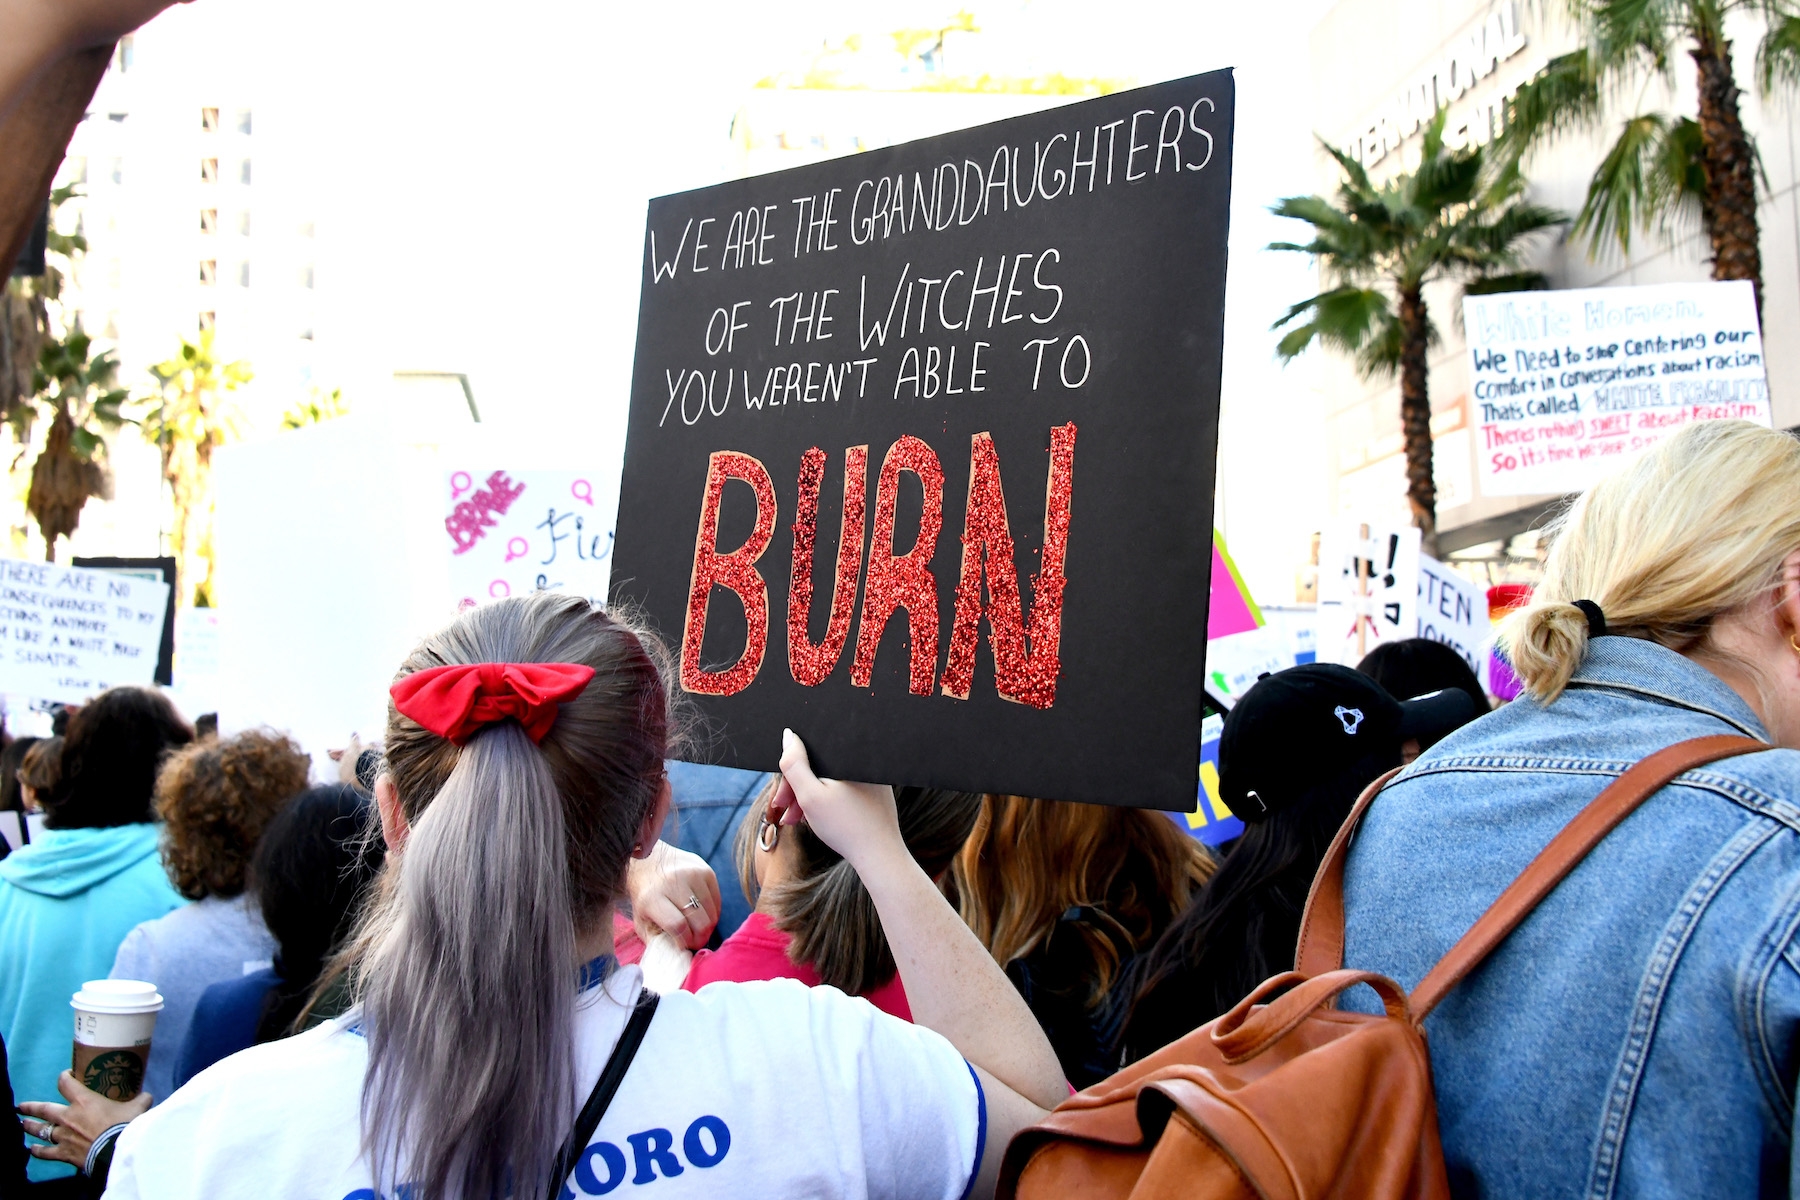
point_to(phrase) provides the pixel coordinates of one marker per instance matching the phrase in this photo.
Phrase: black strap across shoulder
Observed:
(611, 1076)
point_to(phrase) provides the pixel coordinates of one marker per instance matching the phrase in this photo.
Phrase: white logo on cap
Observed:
(1351, 717)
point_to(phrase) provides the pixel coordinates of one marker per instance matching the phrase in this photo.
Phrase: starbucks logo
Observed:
(117, 1075)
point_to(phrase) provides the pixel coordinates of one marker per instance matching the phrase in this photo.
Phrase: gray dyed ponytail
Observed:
(465, 966)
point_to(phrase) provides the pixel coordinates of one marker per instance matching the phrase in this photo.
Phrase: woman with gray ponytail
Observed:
(1636, 1035)
(496, 1050)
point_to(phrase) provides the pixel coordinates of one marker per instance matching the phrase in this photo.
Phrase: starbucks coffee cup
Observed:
(114, 1019)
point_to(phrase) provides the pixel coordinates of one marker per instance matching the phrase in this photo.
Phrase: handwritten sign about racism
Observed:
(68, 633)
(1569, 385)
(514, 531)
(920, 454)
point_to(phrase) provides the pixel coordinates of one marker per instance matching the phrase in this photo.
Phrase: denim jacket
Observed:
(1636, 1035)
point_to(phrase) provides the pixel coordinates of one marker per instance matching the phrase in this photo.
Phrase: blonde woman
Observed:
(524, 771)
(1637, 1035)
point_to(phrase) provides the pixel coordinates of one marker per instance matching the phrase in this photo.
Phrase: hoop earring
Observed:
(1795, 644)
(768, 835)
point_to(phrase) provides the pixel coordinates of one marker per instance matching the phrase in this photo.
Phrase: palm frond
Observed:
(1623, 33)
(1778, 54)
(1563, 98)
(1344, 319)
(1379, 356)
(1517, 281)
(1629, 189)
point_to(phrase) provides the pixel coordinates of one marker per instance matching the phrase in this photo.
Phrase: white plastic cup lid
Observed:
(117, 996)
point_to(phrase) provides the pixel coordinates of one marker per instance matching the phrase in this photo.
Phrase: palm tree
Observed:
(192, 419)
(44, 375)
(1663, 169)
(1458, 216)
(75, 390)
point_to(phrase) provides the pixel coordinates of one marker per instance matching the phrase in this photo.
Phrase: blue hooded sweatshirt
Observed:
(66, 902)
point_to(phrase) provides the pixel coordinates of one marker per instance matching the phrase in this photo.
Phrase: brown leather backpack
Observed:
(1287, 1098)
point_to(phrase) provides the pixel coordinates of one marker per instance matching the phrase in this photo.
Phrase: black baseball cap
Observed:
(1319, 728)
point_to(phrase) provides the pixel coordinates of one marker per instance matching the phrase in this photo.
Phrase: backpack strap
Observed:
(1322, 929)
(611, 1076)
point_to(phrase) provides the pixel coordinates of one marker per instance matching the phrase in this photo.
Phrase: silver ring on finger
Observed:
(693, 902)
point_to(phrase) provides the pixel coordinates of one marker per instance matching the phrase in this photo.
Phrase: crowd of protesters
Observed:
(403, 983)
(477, 965)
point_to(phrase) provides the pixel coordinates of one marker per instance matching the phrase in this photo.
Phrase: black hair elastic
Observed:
(1596, 618)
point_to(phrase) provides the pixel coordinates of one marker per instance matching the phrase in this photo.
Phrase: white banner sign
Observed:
(1368, 588)
(1235, 662)
(1454, 611)
(1566, 385)
(70, 633)
(512, 532)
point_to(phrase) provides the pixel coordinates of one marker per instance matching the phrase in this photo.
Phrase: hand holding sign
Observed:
(858, 820)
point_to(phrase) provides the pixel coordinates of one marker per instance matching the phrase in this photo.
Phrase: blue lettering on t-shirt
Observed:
(695, 1148)
(589, 1179)
(651, 1149)
(653, 1152)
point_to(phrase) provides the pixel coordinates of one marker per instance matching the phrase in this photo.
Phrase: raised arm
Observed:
(952, 983)
(34, 34)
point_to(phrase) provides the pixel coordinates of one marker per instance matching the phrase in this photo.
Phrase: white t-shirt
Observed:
(742, 1089)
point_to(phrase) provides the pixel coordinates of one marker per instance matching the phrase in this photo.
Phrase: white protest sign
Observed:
(69, 633)
(512, 532)
(1368, 588)
(1567, 385)
(1454, 611)
(1235, 662)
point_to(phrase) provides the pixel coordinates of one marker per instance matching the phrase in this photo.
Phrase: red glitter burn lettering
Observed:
(1021, 673)
(811, 664)
(736, 571)
(903, 580)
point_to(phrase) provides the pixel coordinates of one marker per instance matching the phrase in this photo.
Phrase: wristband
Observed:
(102, 1148)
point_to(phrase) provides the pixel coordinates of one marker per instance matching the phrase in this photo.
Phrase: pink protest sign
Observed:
(1232, 609)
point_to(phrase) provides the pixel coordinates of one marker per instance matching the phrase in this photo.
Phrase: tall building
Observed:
(193, 193)
(1379, 71)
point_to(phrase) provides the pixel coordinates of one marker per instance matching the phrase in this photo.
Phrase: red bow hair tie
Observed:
(455, 702)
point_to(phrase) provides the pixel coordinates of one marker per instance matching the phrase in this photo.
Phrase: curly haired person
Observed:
(214, 798)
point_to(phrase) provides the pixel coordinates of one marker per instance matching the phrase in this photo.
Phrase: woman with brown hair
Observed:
(1065, 896)
(214, 798)
(814, 920)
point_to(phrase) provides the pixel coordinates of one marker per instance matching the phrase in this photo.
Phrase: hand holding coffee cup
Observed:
(70, 1129)
(114, 1021)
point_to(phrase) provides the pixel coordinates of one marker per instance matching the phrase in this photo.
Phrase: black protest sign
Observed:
(921, 447)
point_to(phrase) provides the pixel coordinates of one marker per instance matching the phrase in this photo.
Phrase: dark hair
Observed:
(1243, 926)
(116, 743)
(1415, 667)
(215, 798)
(12, 797)
(312, 871)
(824, 907)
